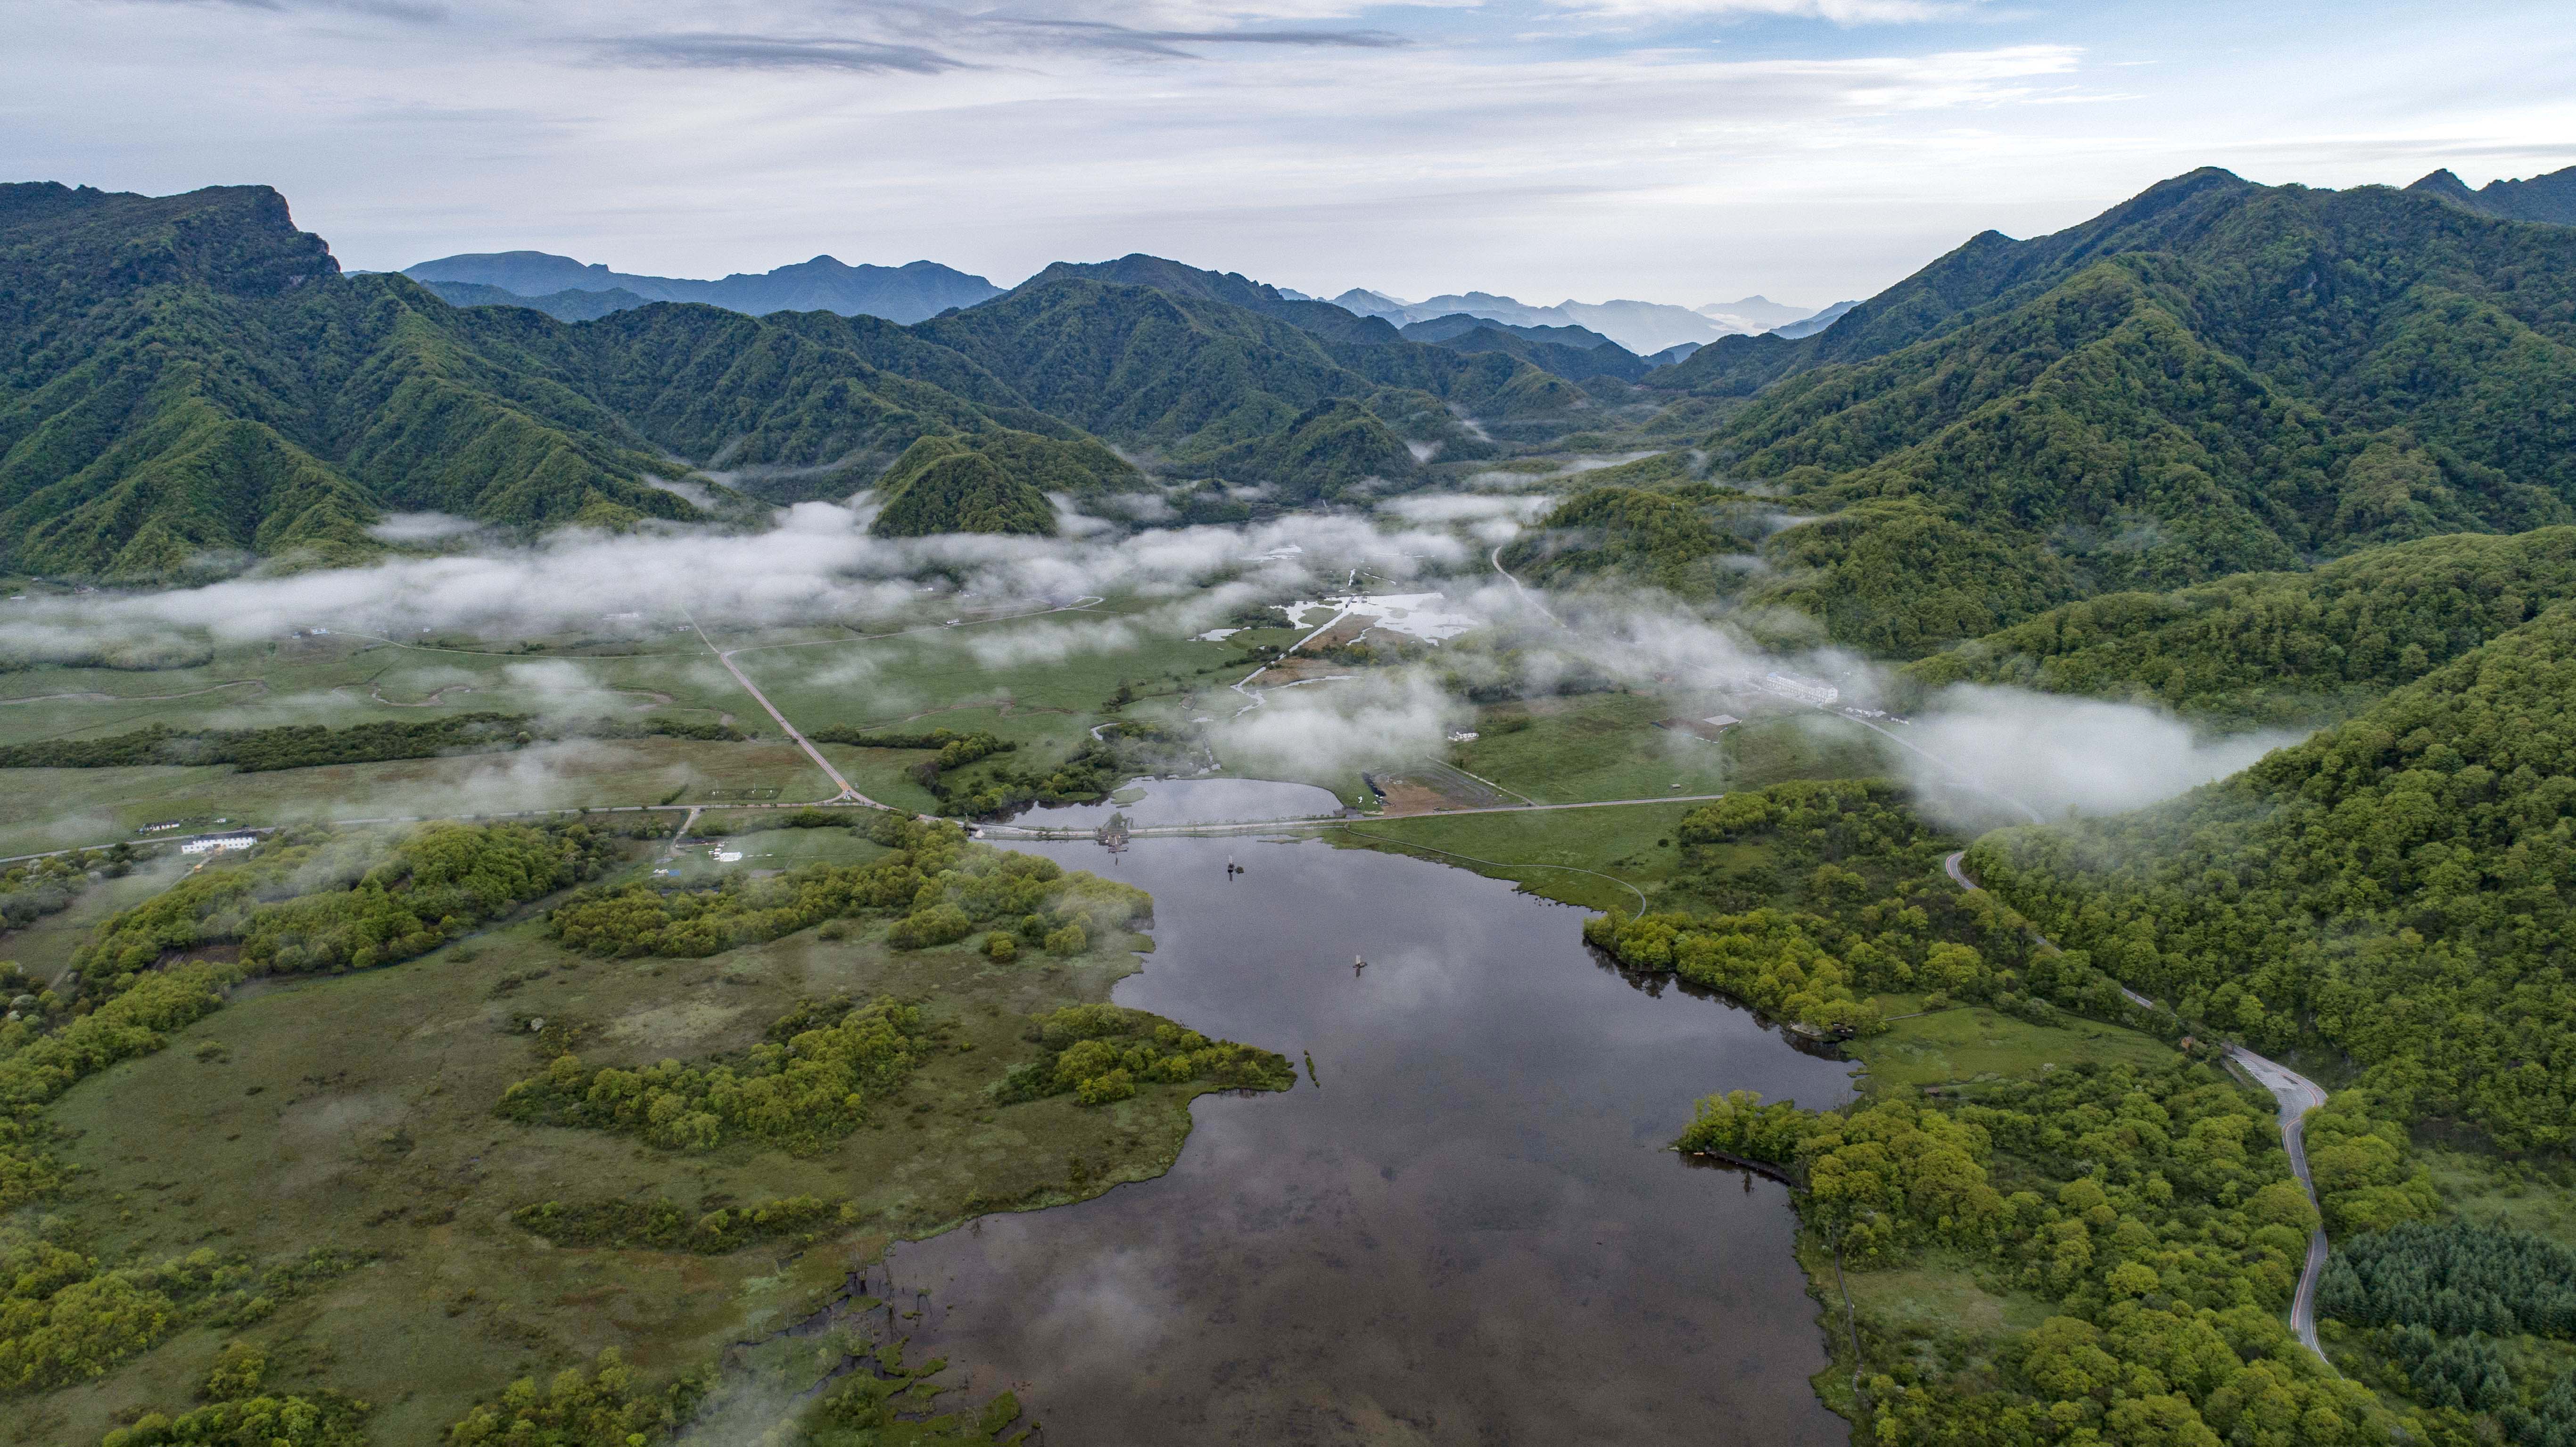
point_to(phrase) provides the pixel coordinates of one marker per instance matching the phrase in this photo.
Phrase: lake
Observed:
(1465, 1227)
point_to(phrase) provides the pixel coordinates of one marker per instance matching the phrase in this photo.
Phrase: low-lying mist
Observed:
(2005, 755)
(1976, 756)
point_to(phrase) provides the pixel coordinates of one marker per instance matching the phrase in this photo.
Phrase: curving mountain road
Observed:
(2297, 1096)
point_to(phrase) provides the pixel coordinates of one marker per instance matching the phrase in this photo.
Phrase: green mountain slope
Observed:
(1574, 360)
(1630, 535)
(563, 306)
(1987, 273)
(188, 381)
(2214, 378)
(1210, 385)
(1322, 318)
(2549, 198)
(2397, 890)
(993, 482)
(189, 378)
(2281, 647)
(1327, 450)
(942, 485)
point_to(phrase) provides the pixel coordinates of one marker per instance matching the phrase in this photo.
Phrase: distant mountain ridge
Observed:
(915, 291)
(1574, 353)
(563, 306)
(2550, 198)
(1643, 327)
(1323, 318)
(1809, 326)
(1754, 313)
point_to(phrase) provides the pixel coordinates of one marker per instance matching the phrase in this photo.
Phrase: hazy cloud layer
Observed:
(1319, 730)
(1676, 150)
(817, 562)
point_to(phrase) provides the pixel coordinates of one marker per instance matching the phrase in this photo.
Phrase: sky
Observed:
(1685, 151)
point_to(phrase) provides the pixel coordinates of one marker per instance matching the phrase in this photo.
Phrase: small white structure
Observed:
(209, 846)
(729, 856)
(1415, 614)
(1804, 690)
(1721, 720)
(1463, 736)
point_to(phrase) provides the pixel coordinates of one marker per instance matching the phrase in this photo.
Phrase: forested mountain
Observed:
(2397, 889)
(1458, 324)
(2542, 198)
(190, 380)
(1200, 380)
(563, 306)
(2279, 648)
(1574, 353)
(992, 482)
(2213, 378)
(906, 293)
(190, 375)
(1323, 318)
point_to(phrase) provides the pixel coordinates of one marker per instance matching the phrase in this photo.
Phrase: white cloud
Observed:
(1320, 730)
(1670, 149)
(1990, 755)
(1840, 12)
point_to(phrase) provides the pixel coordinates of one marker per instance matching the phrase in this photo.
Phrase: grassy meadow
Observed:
(355, 1114)
(1594, 746)
(64, 808)
(1559, 854)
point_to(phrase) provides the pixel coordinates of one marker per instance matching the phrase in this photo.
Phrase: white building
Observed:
(1804, 690)
(229, 841)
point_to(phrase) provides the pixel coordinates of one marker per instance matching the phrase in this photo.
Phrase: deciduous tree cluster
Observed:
(803, 1089)
(937, 886)
(315, 900)
(2155, 1208)
(1102, 1053)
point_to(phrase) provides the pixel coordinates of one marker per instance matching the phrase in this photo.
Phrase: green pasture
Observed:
(342, 680)
(1050, 673)
(1606, 746)
(1965, 1044)
(355, 1113)
(1556, 853)
(43, 809)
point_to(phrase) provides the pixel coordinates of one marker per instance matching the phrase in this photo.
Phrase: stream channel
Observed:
(1465, 1227)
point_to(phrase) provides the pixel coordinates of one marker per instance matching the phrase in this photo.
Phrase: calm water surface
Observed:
(1464, 1229)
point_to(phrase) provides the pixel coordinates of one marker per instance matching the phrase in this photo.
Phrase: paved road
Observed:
(2297, 1096)
(1959, 877)
(1526, 595)
(847, 790)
